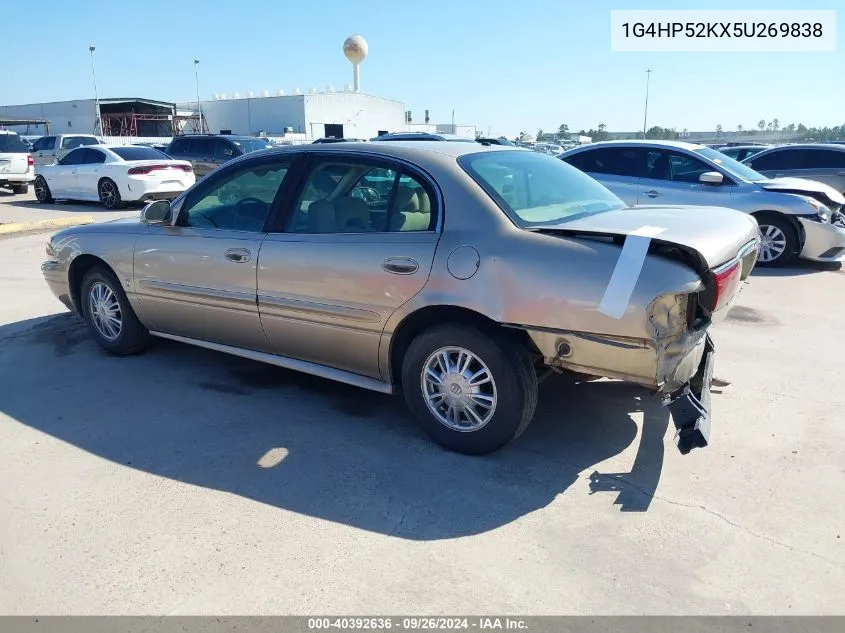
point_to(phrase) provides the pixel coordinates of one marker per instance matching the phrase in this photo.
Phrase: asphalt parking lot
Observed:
(188, 482)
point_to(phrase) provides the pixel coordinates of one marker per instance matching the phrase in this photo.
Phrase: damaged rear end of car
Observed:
(661, 340)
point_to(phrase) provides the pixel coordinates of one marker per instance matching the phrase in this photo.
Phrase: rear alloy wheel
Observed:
(42, 191)
(471, 391)
(779, 241)
(109, 194)
(110, 318)
(20, 189)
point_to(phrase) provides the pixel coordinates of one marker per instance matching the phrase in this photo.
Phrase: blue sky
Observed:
(506, 66)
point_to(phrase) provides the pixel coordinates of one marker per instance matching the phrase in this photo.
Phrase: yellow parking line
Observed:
(57, 223)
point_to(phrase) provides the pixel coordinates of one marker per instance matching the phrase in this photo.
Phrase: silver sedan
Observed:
(796, 216)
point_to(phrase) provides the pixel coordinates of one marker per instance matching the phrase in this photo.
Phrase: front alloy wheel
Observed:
(42, 190)
(778, 241)
(459, 389)
(104, 308)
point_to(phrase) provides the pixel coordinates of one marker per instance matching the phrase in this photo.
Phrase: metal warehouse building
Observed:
(314, 115)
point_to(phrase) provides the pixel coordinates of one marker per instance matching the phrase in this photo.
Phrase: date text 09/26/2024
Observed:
(417, 623)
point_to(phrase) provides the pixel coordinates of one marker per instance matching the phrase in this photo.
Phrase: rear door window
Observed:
(203, 147)
(92, 156)
(76, 157)
(824, 159)
(180, 146)
(617, 161)
(786, 159)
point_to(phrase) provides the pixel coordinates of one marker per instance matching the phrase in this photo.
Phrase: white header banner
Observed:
(709, 31)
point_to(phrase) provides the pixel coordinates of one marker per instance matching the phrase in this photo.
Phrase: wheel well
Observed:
(799, 230)
(424, 318)
(78, 268)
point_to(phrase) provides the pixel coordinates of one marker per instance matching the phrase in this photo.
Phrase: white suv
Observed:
(16, 164)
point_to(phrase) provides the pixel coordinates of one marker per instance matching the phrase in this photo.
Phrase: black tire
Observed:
(782, 231)
(20, 189)
(42, 190)
(132, 337)
(513, 375)
(109, 194)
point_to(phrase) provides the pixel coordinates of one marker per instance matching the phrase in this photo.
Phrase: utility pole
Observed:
(199, 107)
(98, 124)
(645, 114)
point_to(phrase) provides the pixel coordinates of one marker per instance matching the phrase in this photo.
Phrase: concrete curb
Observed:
(57, 223)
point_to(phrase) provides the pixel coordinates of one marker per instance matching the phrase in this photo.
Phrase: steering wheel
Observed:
(368, 194)
(243, 201)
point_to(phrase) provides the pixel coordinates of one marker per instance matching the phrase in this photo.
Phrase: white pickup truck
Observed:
(48, 149)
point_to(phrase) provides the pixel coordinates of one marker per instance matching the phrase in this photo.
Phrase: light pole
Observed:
(645, 114)
(197, 79)
(98, 127)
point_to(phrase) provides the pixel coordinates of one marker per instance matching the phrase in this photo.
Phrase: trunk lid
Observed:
(802, 186)
(715, 234)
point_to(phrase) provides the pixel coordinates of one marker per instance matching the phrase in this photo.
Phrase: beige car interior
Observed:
(341, 212)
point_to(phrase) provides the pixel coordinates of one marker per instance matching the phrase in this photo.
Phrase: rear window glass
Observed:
(78, 141)
(537, 189)
(138, 153)
(12, 144)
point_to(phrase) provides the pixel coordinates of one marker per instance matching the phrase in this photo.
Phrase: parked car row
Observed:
(796, 216)
(457, 274)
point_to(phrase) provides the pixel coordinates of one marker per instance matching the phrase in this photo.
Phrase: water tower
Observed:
(355, 48)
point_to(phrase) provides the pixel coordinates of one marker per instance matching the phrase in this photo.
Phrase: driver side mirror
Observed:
(157, 212)
(711, 178)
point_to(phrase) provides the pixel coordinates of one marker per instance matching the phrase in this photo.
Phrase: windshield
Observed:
(139, 153)
(252, 145)
(727, 163)
(536, 189)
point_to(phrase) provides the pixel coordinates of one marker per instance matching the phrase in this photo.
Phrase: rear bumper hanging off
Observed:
(690, 405)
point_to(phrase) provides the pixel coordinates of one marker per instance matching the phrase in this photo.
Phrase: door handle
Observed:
(238, 255)
(779, 175)
(400, 265)
(652, 193)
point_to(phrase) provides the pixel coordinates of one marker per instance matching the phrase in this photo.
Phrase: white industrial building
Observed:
(346, 113)
(315, 115)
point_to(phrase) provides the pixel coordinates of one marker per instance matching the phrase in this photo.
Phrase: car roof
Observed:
(229, 136)
(644, 142)
(396, 149)
(434, 136)
(832, 146)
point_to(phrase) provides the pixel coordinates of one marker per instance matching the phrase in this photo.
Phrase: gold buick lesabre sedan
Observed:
(454, 272)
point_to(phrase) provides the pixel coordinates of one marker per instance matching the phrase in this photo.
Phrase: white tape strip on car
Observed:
(627, 272)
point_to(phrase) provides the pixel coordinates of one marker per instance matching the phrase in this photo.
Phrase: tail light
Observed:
(29, 161)
(146, 169)
(727, 282)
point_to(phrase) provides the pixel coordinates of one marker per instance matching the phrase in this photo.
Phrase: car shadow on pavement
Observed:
(796, 268)
(313, 446)
(63, 205)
